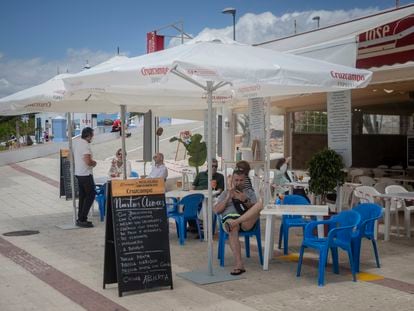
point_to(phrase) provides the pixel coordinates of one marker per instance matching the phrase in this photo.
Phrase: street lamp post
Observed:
(231, 11)
(317, 19)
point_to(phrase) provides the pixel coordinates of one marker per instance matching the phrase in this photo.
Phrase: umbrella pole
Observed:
(72, 166)
(123, 129)
(208, 225)
(267, 152)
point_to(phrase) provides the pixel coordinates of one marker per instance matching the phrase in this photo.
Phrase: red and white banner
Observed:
(154, 42)
(389, 44)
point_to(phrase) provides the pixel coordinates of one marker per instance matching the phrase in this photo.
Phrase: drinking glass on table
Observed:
(213, 184)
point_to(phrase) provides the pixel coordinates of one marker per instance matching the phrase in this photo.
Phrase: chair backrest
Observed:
(134, 174)
(192, 204)
(355, 173)
(388, 180)
(366, 180)
(349, 219)
(380, 186)
(396, 167)
(295, 199)
(346, 196)
(382, 166)
(395, 189)
(365, 194)
(368, 211)
(378, 172)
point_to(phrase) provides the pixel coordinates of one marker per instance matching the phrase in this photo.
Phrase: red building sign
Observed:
(154, 42)
(389, 44)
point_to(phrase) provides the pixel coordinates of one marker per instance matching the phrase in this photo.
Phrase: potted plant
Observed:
(196, 149)
(326, 173)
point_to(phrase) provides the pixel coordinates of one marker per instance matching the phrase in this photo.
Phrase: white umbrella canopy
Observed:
(252, 72)
(49, 97)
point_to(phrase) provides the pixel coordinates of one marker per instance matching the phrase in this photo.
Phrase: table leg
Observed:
(269, 241)
(387, 223)
(321, 232)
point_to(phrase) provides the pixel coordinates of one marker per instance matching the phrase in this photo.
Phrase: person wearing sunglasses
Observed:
(201, 180)
(117, 166)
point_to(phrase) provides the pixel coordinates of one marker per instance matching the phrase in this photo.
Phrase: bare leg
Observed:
(248, 219)
(236, 248)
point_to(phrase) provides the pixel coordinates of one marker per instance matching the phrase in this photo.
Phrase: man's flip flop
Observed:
(237, 271)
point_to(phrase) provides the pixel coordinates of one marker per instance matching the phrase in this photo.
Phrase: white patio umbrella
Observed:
(49, 97)
(220, 72)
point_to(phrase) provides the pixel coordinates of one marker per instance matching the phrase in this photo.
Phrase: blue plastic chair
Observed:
(101, 199)
(171, 204)
(192, 204)
(134, 174)
(341, 230)
(223, 236)
(289, 221)
(369, 212)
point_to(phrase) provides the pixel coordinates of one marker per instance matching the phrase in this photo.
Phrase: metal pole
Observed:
(234, 26)
(123, 129)
(182, 32)
(267, 151)
(72, 165)
(210, 177)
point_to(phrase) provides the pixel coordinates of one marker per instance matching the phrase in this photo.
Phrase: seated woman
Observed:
(117, 166)
(281, 177)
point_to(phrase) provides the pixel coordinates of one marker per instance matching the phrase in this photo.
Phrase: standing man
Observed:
(239, 210)
(201, 180)
(84, 164)
(159, 170)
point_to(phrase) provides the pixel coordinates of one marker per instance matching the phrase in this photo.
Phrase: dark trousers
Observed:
(86, 196)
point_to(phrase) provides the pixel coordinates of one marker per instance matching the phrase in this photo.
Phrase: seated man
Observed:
(159, 170)
(239, 210)
(201, 180)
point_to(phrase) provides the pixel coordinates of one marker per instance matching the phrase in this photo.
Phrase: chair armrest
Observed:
(333, 232)
(313, 224)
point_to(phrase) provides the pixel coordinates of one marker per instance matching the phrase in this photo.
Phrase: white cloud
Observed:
(18, 74)
(258, 28)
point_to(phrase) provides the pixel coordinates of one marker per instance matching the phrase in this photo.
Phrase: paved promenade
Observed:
(62, 269)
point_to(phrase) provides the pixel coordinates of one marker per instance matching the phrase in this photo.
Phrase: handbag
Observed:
(240, 207)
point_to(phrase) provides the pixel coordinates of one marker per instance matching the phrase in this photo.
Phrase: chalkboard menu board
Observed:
(137, 236)
(65, 185)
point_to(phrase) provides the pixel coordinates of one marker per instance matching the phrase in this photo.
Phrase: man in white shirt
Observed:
(159, 170)
(84, 164)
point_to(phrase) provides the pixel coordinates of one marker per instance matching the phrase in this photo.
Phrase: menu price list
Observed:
(141, 240)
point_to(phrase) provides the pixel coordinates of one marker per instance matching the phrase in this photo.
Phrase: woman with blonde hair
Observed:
(117, 166)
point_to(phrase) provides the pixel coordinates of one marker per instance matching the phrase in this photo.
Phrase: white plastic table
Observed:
(387, 199)
(272, 210)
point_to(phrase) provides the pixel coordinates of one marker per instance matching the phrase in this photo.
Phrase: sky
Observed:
(40, 38)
